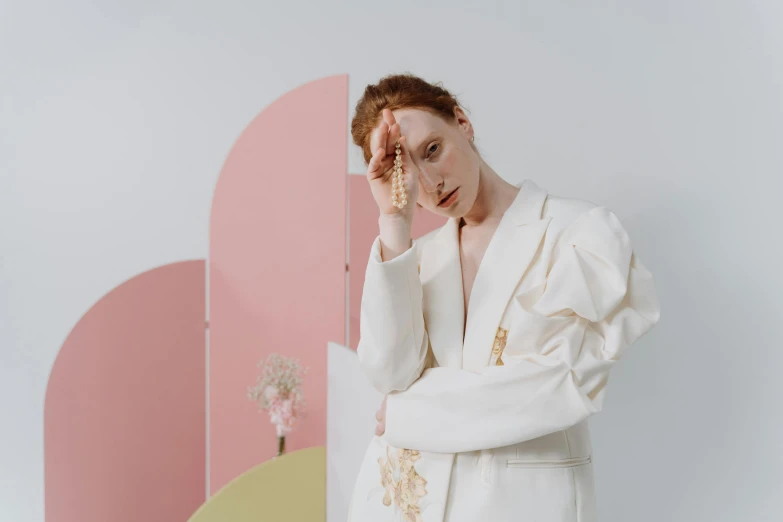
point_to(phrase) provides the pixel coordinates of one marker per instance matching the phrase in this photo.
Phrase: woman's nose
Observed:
(431, 182)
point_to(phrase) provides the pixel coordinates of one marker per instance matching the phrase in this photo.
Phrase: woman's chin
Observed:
(454, 211)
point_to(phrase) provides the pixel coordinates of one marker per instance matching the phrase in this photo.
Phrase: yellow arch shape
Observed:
(291, 487)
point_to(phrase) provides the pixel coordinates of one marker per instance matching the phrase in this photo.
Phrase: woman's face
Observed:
(445, 158)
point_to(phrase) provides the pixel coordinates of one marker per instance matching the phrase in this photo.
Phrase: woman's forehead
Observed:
(416, 124)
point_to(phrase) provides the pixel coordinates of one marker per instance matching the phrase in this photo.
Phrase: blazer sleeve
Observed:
(568, 332)
(393, 341)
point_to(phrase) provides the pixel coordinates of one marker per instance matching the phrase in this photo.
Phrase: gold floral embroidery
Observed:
(404, 486)
(499, 345)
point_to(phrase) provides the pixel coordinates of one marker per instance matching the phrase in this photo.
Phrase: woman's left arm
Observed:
(596, 301)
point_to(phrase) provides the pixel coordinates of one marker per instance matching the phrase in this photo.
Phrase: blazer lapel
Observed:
(441, 278)
(511, 250)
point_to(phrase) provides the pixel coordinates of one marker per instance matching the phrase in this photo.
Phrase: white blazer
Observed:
(493, 426)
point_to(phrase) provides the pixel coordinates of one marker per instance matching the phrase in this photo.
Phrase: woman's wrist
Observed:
(395, 233)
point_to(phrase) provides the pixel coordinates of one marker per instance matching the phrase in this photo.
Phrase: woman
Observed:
(493, 336)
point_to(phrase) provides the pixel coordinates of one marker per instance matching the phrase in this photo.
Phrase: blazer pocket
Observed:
(549, 463)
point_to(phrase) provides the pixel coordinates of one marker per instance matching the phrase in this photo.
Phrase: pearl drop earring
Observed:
(399, 195)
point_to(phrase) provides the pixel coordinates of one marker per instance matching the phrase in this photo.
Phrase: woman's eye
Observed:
(432, 149)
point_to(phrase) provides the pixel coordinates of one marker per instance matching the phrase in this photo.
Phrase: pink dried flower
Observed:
(279, 391)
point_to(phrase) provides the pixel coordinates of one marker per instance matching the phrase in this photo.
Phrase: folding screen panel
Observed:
(124, 415)
(277, 268)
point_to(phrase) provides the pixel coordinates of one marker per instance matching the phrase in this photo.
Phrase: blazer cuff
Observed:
(404, 267)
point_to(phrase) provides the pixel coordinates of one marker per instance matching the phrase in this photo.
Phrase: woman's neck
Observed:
(495, 195)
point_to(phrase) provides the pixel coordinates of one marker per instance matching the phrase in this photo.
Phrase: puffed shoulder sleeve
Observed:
(595, 300)
(597, 276)
(590, 272)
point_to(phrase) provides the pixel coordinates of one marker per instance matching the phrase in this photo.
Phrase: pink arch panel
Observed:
(277, 268)
(363, 230)
(124, 414)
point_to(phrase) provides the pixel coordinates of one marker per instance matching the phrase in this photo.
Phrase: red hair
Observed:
(393, 92)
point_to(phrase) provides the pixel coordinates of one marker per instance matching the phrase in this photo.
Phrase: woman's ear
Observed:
(462, 119)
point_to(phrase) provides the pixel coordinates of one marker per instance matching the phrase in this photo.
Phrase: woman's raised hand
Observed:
(380, 170)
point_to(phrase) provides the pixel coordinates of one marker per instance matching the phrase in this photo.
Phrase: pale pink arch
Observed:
(124, 414)
(363, 230)
(277, 268)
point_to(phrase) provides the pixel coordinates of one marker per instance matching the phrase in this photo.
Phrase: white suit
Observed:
(494, 426)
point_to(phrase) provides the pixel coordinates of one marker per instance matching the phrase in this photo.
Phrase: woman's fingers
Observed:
(380, 428)
(386, 133)
(391, 142)
(379, 136)
(375, 167)
(394, 131)
(388, 116)
(383, 141)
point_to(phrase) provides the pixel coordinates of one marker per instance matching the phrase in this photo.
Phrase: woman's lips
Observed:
(450, 199)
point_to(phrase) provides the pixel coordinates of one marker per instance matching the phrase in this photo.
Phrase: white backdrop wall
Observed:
(115, 119)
